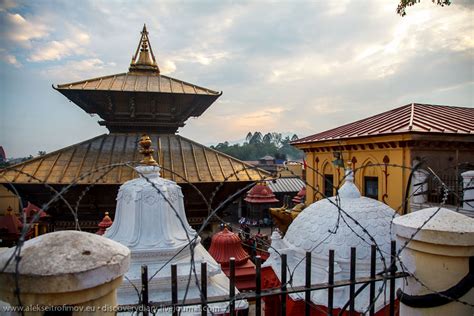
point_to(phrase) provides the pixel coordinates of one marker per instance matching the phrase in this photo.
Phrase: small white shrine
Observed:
(322, 227)
(150, 220)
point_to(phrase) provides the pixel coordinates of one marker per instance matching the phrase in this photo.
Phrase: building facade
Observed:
(383, 148)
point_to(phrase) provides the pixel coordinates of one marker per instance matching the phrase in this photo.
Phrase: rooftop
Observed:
(141, 99)
(410, 118)
(181, 160)
(283, 185)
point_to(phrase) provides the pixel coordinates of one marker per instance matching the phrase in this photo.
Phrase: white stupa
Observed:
(150, 220)
(321, 227)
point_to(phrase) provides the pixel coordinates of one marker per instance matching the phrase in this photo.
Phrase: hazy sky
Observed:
(287, 66)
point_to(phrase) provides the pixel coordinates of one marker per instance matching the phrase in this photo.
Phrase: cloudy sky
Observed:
(287, 66)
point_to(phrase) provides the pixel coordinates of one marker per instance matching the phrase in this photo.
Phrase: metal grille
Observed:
(388, 277)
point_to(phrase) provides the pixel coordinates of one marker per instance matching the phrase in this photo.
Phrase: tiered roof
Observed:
(130, 104)
(261, 194)
(142, 99)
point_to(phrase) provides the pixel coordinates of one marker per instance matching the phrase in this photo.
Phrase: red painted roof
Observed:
(415, 117)
(226, 244)
(298, 198)
(260, 194)
(31, 210)
(244, 276)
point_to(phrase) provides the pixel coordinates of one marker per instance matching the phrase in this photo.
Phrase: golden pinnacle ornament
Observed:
(147, 151)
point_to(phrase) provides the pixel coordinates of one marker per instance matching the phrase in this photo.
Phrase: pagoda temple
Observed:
(259, 199)
(139, 101)
(225, 245)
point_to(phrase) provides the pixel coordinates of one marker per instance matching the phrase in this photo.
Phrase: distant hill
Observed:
(257, 145)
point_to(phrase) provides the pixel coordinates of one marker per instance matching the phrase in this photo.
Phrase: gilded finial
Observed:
(144, 59)
(147, 151)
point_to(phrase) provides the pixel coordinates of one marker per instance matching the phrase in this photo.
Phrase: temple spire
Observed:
(144, 59)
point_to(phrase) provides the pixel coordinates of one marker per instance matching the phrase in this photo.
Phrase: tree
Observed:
(277, 138)
(402, 6)
(256, 138)
(267, 139)
(248, 137)
(257, 146)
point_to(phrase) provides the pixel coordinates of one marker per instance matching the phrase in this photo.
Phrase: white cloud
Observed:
(423, 30)
(20, 30)
(9, 58)
(76, 70)
(301, 66)
(56, 50)
(12, 60)
(203, 57)
(336, 7)
(7, 4)
(305, 66)
(325, 105)
(167, 67)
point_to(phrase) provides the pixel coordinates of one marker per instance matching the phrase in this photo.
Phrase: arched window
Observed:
(328, 180)
(370, 180)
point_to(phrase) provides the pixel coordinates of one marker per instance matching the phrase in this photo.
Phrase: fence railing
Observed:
(436, 192)
(389, 275)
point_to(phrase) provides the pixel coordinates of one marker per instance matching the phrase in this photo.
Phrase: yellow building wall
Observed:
(7, 199)
(392, 180)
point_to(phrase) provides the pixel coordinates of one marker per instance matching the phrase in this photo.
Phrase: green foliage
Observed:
(257, 145)
(402, 6)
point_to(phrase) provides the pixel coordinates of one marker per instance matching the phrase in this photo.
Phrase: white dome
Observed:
(336, 223)
(322, 226)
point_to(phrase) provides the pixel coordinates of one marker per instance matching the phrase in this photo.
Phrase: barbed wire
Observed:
(192, 241)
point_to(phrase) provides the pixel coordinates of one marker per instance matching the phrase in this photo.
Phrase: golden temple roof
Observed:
(142, 99)
(137, 82)
(143, 76)
(189, 161)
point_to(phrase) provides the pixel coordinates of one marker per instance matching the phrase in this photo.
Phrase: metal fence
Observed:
(454, 185)
(146, 307)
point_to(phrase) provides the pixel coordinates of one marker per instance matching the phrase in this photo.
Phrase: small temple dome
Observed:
(226, 244)
(260, 194)
(336, 224)
(321, 218)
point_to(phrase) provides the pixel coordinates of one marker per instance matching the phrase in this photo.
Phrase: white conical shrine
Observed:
(321, 227)
(150, 220)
